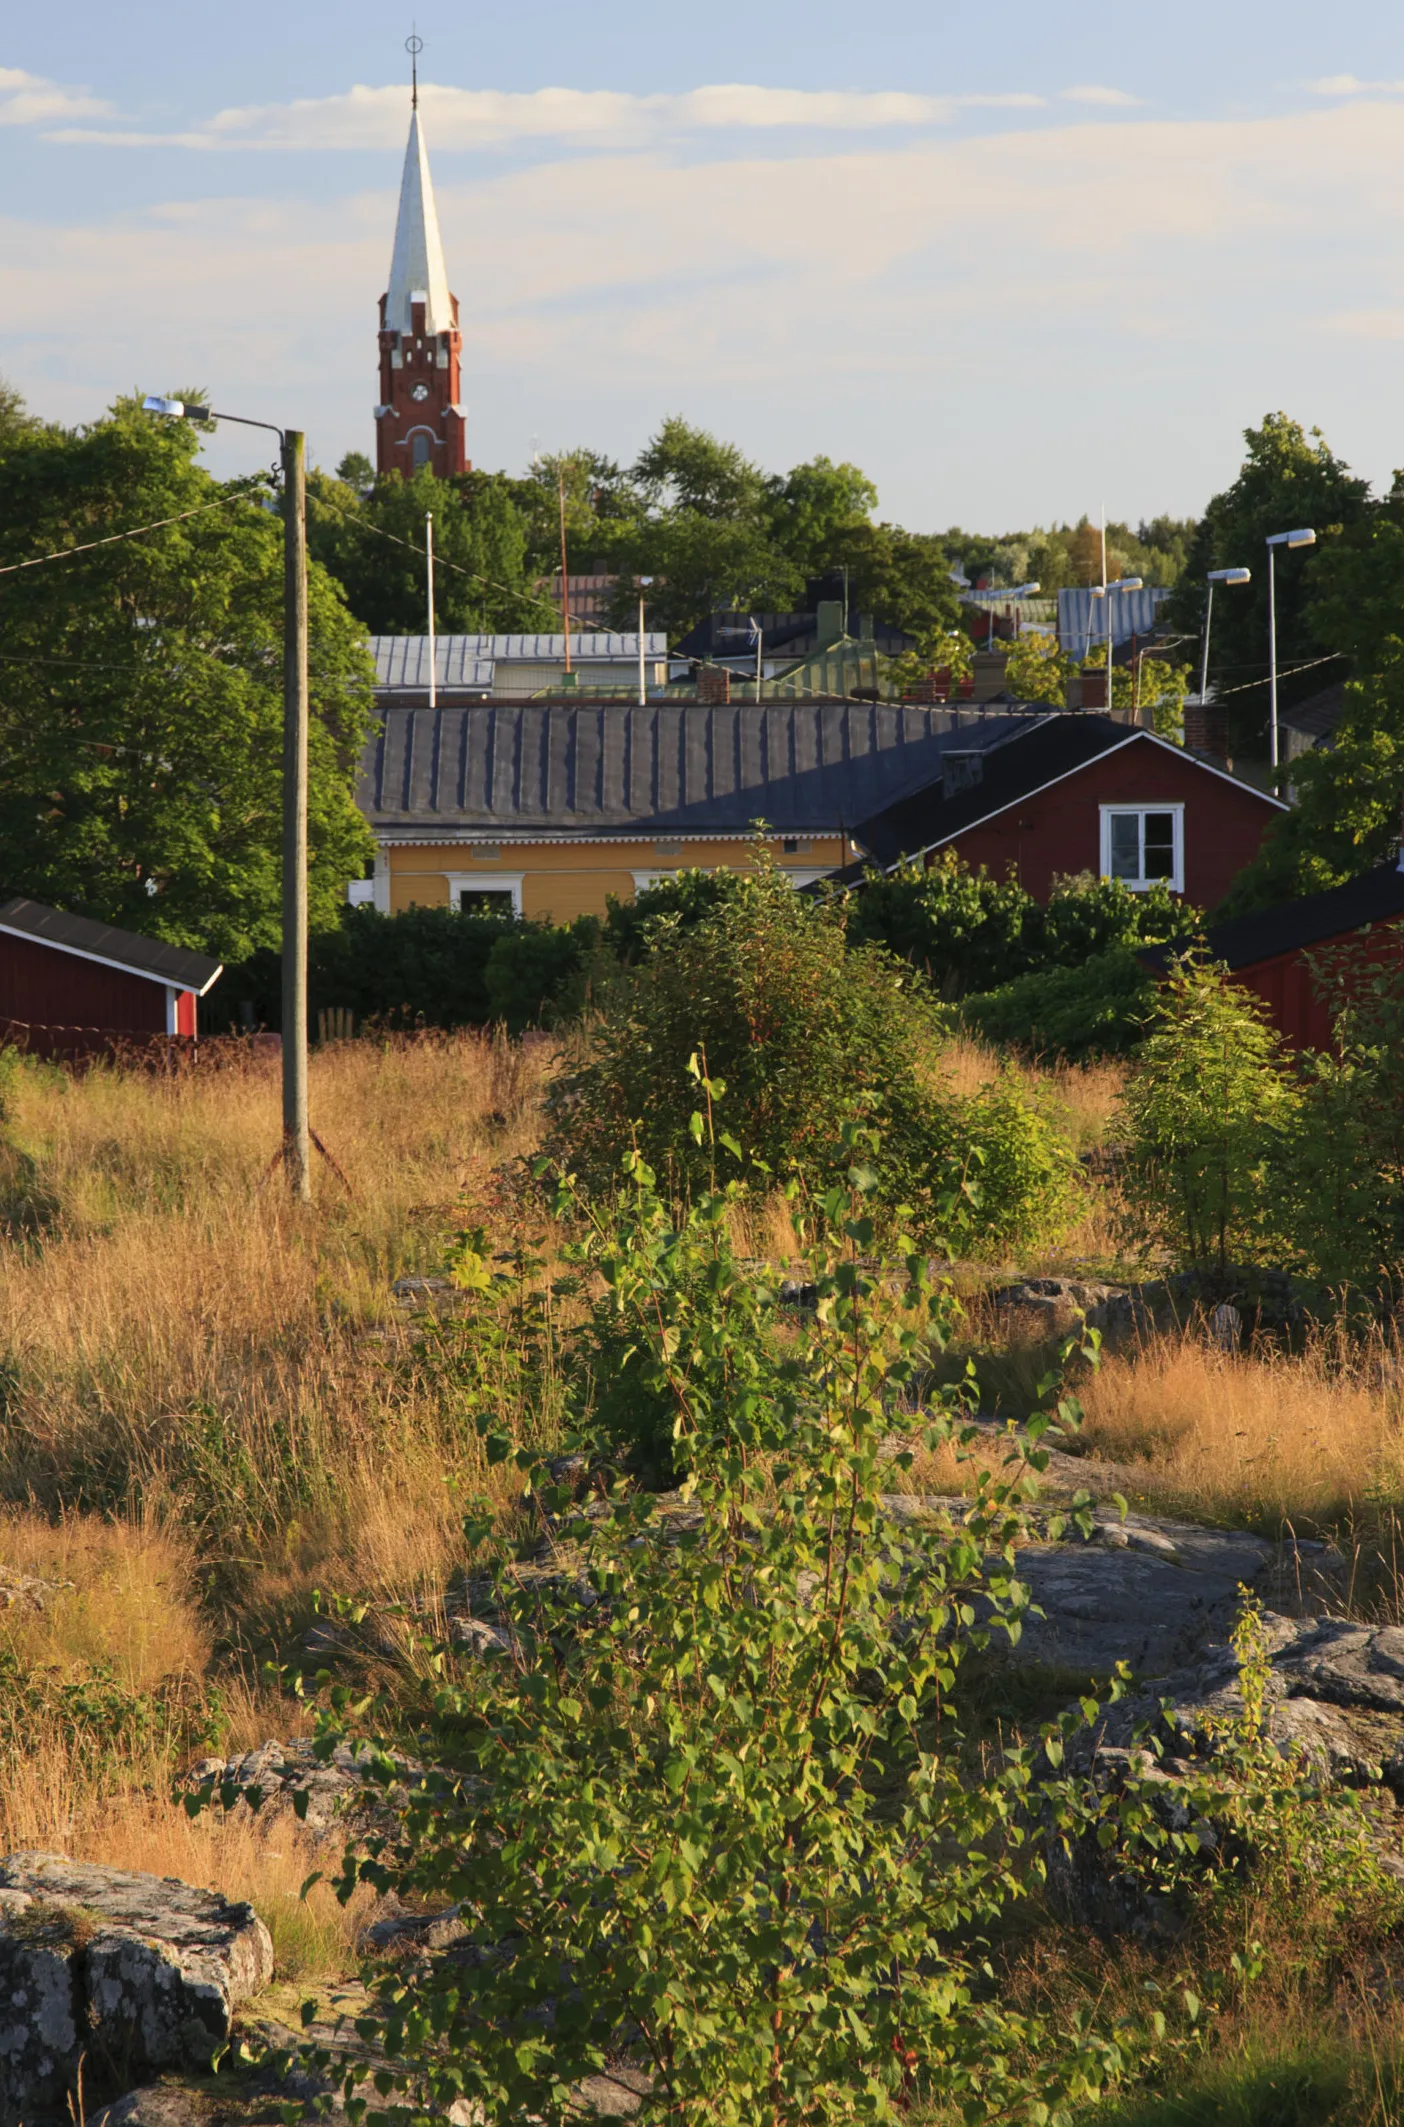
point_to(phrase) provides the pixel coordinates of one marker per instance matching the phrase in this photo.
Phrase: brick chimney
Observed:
(1207, 730)
(713, 685)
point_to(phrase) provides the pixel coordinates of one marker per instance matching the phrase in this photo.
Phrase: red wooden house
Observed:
(71, 986)
(1271, 951)
(1064, 794)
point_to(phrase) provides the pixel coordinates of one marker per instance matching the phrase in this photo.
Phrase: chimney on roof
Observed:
(829, 623)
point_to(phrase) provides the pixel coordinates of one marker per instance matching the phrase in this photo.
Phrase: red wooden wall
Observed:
(1286, 986)
(43, 987)
(1059, 829)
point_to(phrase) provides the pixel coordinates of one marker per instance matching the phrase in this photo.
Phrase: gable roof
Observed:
(1028, 758)
(151, 958)
(470, 660)
(612, 768)
(1375, 897)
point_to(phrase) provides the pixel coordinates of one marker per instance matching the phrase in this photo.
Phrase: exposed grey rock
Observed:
(278, 1772)
(1121, 1313)
(131, 1967)
(158, 2105)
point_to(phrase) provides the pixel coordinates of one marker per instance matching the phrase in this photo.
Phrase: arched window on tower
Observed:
(421, 446)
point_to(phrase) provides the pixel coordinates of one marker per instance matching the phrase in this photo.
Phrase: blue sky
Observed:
(1014, 262)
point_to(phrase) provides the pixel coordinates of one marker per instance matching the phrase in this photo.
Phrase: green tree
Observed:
(1208, 1112)
(816, 508)
(481, 582)
(141, 721)
(1038, 671)
(1348, 795)
(902, 578)
(709, 1803)
(16, 422)
(689, 469)
(1289, 478)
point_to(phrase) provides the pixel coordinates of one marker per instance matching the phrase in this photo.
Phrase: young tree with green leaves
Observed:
(1209, 1111)
(141, 692)
(701, 1801)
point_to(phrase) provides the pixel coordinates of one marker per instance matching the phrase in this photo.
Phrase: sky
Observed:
(1018, 264)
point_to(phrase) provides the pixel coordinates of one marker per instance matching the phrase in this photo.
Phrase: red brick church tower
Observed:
(419, 420)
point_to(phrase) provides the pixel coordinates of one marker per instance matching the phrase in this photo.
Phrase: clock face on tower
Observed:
(420, 391)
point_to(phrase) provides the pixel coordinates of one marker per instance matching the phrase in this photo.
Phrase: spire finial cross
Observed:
(414, 46)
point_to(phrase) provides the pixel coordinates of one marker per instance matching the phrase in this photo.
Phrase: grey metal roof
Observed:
(468, 660)
(103, 942)
(566, 768)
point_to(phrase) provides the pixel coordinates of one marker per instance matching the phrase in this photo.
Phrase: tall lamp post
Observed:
(1104, 590)
(1304, 538)
(297, 1145)
(1215, 576)
(643, 582)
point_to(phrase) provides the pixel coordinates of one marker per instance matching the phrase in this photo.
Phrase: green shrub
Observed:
(436, 967)
(701, 1806)
(1096, 1009)
(802, 1032)
(1210, 1111)
(971, 933)
(687, 895)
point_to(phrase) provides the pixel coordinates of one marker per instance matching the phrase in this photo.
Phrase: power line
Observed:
(37, 561)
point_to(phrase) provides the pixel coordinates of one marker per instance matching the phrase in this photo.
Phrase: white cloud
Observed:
(31, 100)
(1092, 92)
(1350, 85)
(476, 118)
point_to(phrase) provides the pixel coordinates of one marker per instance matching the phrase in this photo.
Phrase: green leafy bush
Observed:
(436, 967)
(701, 1808)
(802, 1031)
(969, 932)
(1098, 1008)
(1210, 1111)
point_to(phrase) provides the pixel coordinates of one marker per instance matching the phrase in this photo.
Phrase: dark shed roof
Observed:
(563, 768)
(1375, 897)
(86, 940)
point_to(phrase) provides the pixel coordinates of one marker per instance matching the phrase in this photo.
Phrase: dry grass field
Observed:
(212, 1405)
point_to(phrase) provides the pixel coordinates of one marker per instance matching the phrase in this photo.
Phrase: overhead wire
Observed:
(139, 531)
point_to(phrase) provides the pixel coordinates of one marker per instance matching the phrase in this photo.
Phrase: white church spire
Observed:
(417, 270)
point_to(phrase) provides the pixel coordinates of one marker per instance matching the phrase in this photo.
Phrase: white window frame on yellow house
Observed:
(485, 882)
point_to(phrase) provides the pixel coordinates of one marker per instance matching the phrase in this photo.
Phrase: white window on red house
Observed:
(1143, 845)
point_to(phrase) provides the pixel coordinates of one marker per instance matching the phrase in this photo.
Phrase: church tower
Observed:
(419, 420)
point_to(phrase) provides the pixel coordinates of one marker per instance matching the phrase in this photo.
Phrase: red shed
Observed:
(1271, 950)
(63, 977)
(1069, 793)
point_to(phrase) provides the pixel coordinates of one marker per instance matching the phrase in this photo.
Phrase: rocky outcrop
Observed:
(121, 1968)
(283, 1779)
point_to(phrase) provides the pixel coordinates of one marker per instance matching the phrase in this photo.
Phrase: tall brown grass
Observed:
(1266, 1437)
(178, 1340)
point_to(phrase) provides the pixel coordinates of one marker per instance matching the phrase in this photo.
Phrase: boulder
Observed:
(115, 1966)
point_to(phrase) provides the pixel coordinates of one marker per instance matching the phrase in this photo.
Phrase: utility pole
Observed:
(565, 574)
(297, 1147)
(429, 570)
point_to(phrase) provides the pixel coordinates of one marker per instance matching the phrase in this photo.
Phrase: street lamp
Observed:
(1216, 576)
(1275, 540)
(297, 1147)
(1104, 590)
(643, 582)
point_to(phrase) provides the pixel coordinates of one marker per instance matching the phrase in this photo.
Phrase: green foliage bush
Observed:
(701, 1806)
(803, 1031)
(1209, 1112)
(1077, 1012)
(969, 932)
(436, 967)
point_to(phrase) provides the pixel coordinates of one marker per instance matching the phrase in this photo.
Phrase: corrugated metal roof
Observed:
(403, 660)
(679, 767)
(149, 957)
(1082, 619)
